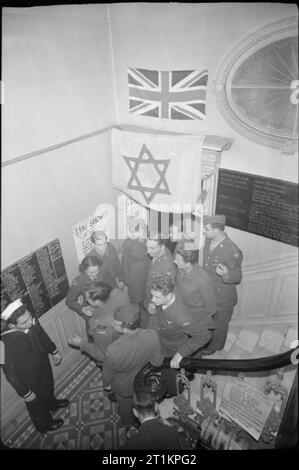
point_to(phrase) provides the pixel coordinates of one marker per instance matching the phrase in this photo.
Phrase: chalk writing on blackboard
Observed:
(39, 278)
(259, 205)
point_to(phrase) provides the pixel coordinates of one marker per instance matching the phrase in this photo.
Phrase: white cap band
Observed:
(10, 309)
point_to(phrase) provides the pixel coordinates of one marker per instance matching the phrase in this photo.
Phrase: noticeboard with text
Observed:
(40, 279)
(263, 206)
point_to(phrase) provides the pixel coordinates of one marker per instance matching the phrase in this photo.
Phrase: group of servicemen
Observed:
(152, 302)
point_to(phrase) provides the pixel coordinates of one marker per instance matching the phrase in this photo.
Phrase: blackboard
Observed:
(39, 278)
(263, 206)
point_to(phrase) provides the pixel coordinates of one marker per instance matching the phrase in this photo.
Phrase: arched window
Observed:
(257, 86)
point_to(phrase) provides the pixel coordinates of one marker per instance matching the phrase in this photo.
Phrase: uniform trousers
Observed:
(45, 401)
(219, 334)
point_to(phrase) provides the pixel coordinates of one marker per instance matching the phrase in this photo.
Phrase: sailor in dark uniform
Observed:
(27, 367)
(222, 260)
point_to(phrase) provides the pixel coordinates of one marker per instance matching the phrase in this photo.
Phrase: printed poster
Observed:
(247, 406)
(83, 230)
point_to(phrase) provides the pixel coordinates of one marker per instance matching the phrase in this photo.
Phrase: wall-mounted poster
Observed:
(83, 230)
(39, 278)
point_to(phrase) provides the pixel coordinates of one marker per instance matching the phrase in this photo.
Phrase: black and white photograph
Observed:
(149, 230)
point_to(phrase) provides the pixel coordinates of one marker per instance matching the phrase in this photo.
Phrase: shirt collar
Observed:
(164, 307)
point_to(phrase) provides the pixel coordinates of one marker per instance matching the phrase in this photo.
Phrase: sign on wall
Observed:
(39, 278)
(259, 205)
(247, 406)
(83, 230)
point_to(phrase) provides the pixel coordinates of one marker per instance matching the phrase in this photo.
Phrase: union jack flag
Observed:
(171, 95)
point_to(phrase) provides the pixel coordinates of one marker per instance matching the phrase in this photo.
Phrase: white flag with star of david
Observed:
(159, 171)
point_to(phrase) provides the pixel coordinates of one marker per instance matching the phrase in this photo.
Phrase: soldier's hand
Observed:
(75, 340)
(175, 361)
(221, 270)
(87, 311)
(151, 308)
(57, 358)
(31, 397)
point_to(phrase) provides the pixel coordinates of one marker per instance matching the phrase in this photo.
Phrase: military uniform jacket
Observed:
(161, 265)
(126, 356)
(230, 255)
(26, 357)
(111, 264)
(153, 434)
(197, 290)
(77, 289)
(178, 329)
(103, 316)
(135, 264)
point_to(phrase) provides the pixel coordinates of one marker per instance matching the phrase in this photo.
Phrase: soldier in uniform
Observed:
(162, 263)
(222, 260)
(126, 356)
(91, 268)
(27, 366)
(181, 334)
(108, 255)
(103, 301)
(194, 284)
(135, 261)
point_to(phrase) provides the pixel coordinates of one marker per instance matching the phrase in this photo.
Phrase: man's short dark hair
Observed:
(164, 283)
(144, 404)
(98, 235)
(99, 290)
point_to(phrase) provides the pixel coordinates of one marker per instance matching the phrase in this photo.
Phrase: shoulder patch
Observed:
(186, 323)
(236, 255)
(74, 283)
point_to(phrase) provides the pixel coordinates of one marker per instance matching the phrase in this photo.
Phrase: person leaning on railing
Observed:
(181, 334)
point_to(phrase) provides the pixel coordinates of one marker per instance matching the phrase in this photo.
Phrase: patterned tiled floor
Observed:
(92, 422)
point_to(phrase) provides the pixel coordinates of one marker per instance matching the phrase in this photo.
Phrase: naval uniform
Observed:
(28, 369)
(124, 358)
(111, 263)
(227, 253)
(135, 264)
(178, 330)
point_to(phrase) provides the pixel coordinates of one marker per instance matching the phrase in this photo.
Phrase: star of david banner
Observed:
(162, 172)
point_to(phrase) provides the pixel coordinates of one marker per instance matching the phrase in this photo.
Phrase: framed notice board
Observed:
(259, 205)
(39, 278)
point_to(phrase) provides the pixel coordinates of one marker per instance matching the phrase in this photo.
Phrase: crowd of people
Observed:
(153, 301)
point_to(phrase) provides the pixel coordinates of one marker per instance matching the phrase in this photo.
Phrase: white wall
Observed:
(193, 36)
(57, 72)
(57, 75)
